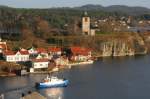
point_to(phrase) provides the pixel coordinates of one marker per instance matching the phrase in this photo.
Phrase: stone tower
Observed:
(86, 24)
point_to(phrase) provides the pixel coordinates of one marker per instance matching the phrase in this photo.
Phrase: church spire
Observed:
(85, 13)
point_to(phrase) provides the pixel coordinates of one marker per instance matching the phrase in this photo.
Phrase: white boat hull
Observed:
(51, 84)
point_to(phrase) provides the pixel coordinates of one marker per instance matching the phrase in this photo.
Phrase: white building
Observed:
(40, 63)
(86, 28)
(43, 52)
(80, 54)
(54, 51)
(20, 56)
(86, 24)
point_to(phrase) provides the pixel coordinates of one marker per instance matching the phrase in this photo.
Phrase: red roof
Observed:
(41, 50)
(54, 49)
(40, 60)
(24, 52)
(3, 46)
(80, 51)
(9, 53)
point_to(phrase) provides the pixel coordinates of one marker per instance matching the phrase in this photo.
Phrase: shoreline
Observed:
(7, 74)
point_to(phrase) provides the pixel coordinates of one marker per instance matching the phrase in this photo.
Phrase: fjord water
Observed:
(108, 78)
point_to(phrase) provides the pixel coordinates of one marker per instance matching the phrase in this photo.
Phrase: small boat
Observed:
(52, 82)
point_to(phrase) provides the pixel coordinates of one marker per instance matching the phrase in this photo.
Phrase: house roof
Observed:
(40, 60)
(24, 52)
(80, 50)
(3, 46)
(54, 49)
(41, 50)
(9, 52)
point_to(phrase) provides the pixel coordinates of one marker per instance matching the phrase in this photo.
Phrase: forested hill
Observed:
(116, 8)
(39, 26)
(44, 22)
(58, 17)
(135, 10)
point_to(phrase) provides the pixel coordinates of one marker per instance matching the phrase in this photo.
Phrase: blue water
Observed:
(108, 78)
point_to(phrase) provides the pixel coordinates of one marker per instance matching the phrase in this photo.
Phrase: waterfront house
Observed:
(19, 56)
(54, 52)
(80, 54)
(40, 63)
(43, 52)
(39, 56)
(9, 56)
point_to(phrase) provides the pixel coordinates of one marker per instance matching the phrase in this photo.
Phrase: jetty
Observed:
(33, 95)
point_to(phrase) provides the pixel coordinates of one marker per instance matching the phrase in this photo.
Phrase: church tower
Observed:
(86, 24)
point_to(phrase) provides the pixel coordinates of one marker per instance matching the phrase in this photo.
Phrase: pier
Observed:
(33, 95)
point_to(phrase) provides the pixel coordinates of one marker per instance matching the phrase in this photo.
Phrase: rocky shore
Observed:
(128, 46)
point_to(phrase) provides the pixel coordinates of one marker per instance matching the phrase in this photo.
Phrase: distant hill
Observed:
(90, 7)
(116, 8)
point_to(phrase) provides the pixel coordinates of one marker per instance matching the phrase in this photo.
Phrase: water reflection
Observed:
(53, 93)
(108, 78)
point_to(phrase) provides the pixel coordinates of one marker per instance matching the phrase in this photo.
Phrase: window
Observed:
(41, 64)
(86, 33)
(86, 19)
(22, 58)
(8, 58)
(17, 58)
(35, 65)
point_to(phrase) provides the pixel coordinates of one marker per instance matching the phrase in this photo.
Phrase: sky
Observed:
(70, 3)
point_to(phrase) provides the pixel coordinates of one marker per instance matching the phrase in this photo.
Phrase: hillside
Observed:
(27, 27)
(116, 8)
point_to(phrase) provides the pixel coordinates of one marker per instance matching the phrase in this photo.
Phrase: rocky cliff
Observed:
(121, 46)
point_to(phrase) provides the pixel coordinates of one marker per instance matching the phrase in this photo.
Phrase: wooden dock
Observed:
(34, 95)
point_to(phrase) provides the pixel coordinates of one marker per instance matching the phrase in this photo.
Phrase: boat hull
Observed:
(50, 85)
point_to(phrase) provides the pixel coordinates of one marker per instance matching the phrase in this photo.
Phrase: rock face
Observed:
(116, 48)
(146, 37)
(133, 45)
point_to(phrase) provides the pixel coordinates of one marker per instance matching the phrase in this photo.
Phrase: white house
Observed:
(54, 51)
(20, 56)
(40, 63)
(43, 52)
(80, 54)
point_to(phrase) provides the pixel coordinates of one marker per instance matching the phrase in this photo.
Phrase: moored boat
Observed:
(52, 82)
